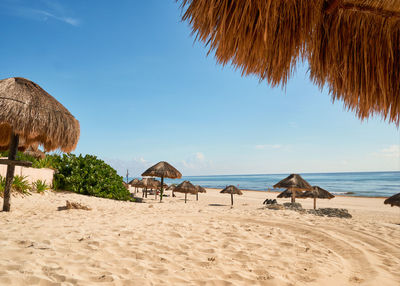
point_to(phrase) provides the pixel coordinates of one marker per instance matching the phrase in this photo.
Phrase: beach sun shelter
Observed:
(186, 187)
(393, 200)
(233, 191)
(200, 189)
(352, 46)
(28, 113)
(162, 170)
(317, 193)
(294, 183)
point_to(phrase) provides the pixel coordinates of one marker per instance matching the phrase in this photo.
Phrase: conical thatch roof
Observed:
(393, 200)
(231, 190)
(171, 187)
(293, 181)
(200, 189)
(35, 152)
(37, 117)
(288, 194)
(134, 182)
(151, 183)
(352, 46)
(163, 169)
(186, 187)
(316, 192)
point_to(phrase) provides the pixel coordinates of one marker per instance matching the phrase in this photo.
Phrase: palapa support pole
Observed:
(162, 189)
(14, 140)
(185, 197)
(293, 196)
(231, 200)
(197, 196)
(315, 203)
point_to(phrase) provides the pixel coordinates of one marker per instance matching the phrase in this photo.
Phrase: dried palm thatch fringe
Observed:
(163, 170)
(353, 46)
(356, 53)
(393, 200)
(37, 117)
(261, 37)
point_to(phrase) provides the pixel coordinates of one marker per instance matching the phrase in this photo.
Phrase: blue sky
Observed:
(143, 92)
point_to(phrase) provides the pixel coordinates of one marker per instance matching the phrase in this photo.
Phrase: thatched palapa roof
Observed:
(231, 190)
(200, 189)
(352, 46)
(288, 194)
(163, 169)
(171, 187)
(37, 117)
(134, 182)
(295, 182)
(35, 152)
(185, 187)
(393, 200)
(317, 192)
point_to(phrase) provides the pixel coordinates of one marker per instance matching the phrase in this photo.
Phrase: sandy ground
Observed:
(202, 242)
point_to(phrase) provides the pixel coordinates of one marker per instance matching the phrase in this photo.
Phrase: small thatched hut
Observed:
(163, 170)
(352, 46)
(293, 183)
(30, 114)
(186, 187)
(232, 190)
(200, 189)
(317, 193)
(393, 200)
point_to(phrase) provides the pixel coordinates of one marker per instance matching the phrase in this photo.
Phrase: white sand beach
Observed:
(202, 242)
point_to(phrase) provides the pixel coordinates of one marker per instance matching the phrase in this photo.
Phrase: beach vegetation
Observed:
(21, 185)
(39, 186)
(88, 175)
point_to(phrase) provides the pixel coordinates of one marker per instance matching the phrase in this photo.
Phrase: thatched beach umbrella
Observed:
(150, 183)
(317, 193)
(393, 200)
(29, 113)
(34, 151)
(186, 187)
(352, 46)
(134, 183)
(231, 190)
(294, 183)
(288, 194)
(200, 189)
(163, 170)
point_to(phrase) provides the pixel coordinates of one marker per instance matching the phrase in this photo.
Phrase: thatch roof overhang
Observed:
(35, 116)
(293, 182)
(186, 187)
(352, 46)
(393, 200)
(163, 170)
(231, 190)
(317, 192)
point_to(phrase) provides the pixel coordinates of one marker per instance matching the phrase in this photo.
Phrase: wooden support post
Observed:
(231, 200)
(162, 189)
(14, 140)
(197, 196)
(185, 197)
(293, 196)
(315, 203)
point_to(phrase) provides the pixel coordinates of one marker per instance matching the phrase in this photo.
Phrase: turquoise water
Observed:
(374, 184)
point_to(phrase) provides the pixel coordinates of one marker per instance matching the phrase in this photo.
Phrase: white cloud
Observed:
(268, 146)
(52, 10)
(392, 151)
(194, 162)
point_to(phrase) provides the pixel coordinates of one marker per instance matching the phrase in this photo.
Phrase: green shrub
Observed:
(21, 185)
(20, 156)
(46, 162)
(39, 186)
(88, 176)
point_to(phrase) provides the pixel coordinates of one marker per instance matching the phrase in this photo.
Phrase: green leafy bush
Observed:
(47, 162)
(2, 185)
(88, 175)
(39, 186)
(20, 156)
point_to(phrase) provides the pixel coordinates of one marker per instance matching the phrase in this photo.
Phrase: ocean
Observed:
(365, 184)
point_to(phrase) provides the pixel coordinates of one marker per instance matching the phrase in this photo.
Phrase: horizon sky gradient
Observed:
(145, 92)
